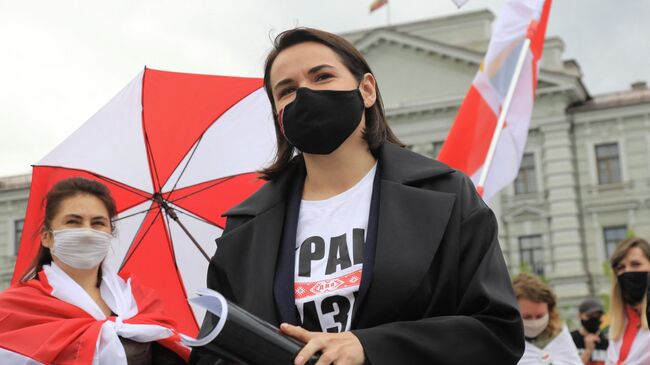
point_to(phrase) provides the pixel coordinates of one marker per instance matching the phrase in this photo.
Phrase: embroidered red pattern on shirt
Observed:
(308, 289)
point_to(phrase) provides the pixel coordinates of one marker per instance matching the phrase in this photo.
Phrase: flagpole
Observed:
(388, 13)
(502, 116)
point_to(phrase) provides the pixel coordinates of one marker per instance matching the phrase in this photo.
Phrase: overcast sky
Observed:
(62, 60)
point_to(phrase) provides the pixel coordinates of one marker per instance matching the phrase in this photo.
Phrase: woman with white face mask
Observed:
(69, 308)
(548, 341)
(630, 292)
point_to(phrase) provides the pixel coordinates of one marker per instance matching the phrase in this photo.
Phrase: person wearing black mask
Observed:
(629, 334)
(589, 339)
(358, 247)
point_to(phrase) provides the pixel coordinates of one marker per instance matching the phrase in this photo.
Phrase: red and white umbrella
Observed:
(185, 141)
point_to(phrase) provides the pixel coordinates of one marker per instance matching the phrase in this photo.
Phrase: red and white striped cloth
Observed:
(53, 320)
(469, 138)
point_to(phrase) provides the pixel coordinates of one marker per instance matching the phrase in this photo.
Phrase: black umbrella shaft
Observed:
(172, 214)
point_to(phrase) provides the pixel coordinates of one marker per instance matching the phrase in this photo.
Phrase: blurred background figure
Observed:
(630, 338)
(547, 339)
(589, 339)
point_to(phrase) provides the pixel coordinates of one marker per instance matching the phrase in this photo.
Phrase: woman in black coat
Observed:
(363, 250)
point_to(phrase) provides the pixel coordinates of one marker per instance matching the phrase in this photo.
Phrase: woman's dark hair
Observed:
(61, 191)
(377, 130)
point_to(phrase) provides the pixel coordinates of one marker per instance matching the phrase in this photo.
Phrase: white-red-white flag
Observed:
(469, 138)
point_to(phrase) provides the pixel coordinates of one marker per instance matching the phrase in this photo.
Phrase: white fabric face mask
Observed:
(533, 327)
(81, 248)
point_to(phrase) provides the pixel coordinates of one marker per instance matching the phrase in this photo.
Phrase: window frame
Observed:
(537, 268)
(606, 243)
(18, 233)
(608, 160)
(533, 158)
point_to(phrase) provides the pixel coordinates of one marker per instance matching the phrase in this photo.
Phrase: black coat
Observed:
(439, 291)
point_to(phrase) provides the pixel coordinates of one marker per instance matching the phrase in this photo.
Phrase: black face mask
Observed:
(634, 285)
(319, 121)
(592, 325)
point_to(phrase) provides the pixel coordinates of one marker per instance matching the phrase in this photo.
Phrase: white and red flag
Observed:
(491, 127)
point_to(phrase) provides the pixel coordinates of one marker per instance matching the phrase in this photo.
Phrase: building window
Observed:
(608, 163)
(531, 252)
(18, 232)
(526, 181)
(613, 235)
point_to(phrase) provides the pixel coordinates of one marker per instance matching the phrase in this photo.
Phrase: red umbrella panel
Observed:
(187, 142)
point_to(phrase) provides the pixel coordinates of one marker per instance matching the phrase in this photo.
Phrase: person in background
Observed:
(70, 308)
(629, 334)
(589, 339)
(547, 339)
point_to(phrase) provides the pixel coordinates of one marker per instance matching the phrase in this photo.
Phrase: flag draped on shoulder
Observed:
(518, 35)
(52, 320)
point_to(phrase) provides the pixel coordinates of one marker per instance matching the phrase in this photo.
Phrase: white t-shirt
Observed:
(329, 256)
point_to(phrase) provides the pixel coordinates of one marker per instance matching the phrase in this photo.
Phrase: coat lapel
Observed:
(411, 224)
(247, 254)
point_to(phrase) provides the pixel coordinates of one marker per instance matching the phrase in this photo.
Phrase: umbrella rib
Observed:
(123, 186)
(102, 177)
(221, 181)
(171, 213)
(153, 163)
(196, 146)
(134, 247)
(199, 218)
(136, 213)
(171, 243)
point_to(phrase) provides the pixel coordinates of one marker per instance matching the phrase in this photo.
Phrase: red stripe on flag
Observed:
(470, 135)
(377, 4)
(538, 30)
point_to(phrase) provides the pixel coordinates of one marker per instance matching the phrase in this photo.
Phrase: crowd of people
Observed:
(410, 243)
(624, 340)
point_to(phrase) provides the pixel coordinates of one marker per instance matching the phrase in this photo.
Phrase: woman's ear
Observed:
(368, 89)
(46, 238)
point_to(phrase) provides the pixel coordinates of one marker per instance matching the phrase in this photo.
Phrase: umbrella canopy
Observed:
(184, 141)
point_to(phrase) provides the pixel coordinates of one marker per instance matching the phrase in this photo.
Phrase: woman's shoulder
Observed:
(31, 286)
(21, 296)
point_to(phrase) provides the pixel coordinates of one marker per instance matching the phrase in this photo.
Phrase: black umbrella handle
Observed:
(172, 214)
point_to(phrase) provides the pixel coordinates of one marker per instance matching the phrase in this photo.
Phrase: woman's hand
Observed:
(337, 348)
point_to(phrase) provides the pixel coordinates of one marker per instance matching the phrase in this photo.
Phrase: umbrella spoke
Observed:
(122, 186)
(171, 212)
(196, 146)
(170, 240)
(207, 187)
(152, 164)
(136, 213)
(198, 218)
(135, 245)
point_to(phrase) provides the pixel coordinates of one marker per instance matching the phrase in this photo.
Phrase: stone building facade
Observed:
(14, 191)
